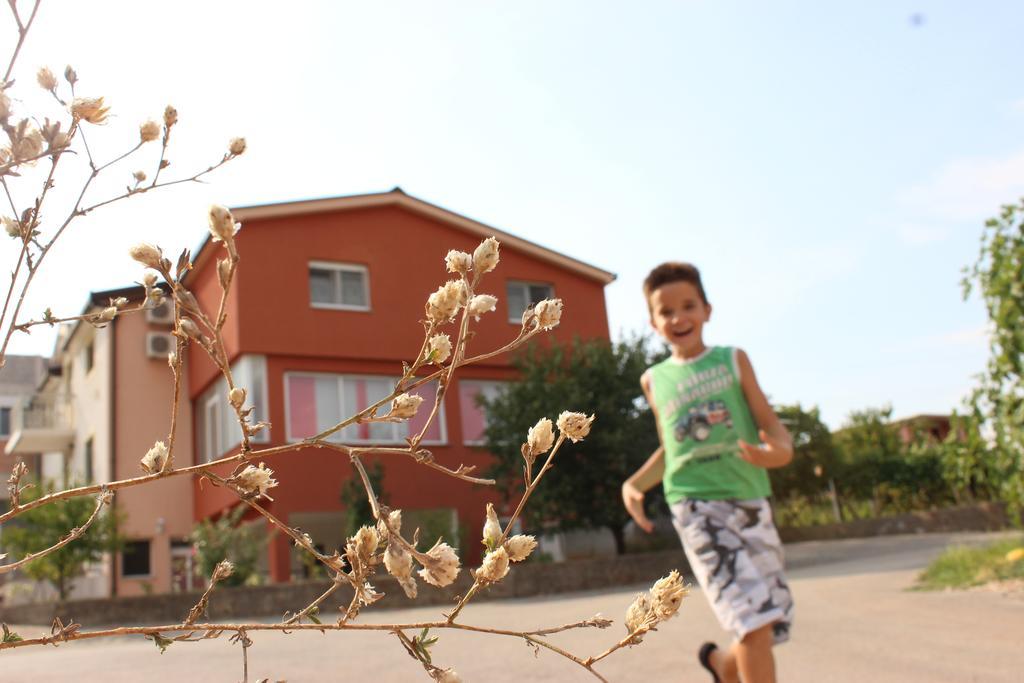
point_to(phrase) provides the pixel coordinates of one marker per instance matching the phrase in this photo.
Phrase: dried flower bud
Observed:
(443, 304)
(149, 131)
(458, 262)
(236, 146)
(398, 562)
(147, 255)
(256, 481)
(27, 145)
(223, 570)
(365, 543)
(222, 223)
(441, 566)
(5, 107)
(485, 257)
(540, 437)
(120, 302)
(46, 79)
(170, 116)
(140, 176)
(69, 75)
(237, 397)
(494, 567)
(12, 226)
(520, 546)
(575, 426)
(638, 613)
(107, 314)
(446, 676)
(90, 109)
(480, 304)
(405, 406)
(549, 313)
(154, 459)
(439, 348)
(149, 279)
(492, 528)
(667, 595)
(190, 328)
(224, 272)
(172, 358)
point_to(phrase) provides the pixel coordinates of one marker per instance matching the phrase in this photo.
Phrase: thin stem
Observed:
(22, 32)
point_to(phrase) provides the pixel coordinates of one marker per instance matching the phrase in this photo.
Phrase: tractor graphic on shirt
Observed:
(699, 420)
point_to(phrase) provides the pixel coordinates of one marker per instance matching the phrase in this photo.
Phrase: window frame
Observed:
(517, 318)
(441, 417)
(214, 402)
(9, 412)
(337, 268)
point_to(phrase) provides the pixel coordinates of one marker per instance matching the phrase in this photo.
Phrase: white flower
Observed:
(439, 348)
(153, 461)
(365, 542)
(494, 567)
(540, 437)
(576, 426)
(458, 262)
(405, 406)
(147, 255)
(256, 481)
(667, 595)
(223, 570)
(548, 312)
(149, 131)
(485, 257)
(236, 146)
(520, 546)
(398, 562)
(441, 566)
(480, 304)
(367, 594)
(492, 528)
(222, 223)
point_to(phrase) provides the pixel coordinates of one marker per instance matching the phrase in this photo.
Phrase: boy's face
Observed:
(678, 314)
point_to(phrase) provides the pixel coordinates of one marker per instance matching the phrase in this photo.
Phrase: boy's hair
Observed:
(673, 271)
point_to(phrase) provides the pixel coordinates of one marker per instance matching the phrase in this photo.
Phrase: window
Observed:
(343, 286)
(5, 421)
(217, 428)
(315, 402)
(474, 419)
(522, 295)
(135, 559)
(87, 357)
(88, 460)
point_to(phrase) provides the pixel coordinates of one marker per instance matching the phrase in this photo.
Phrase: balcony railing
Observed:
(43, 412)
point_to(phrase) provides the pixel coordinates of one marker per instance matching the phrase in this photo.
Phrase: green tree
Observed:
(583, 489)
(226, 538)
(995, 409)
(42, 527)
(358, 511)
(815, 457)
(868, 432)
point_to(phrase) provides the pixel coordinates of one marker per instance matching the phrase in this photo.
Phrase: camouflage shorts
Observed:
(735, 552)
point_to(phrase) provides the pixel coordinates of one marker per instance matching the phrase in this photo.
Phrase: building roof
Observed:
(397, 197)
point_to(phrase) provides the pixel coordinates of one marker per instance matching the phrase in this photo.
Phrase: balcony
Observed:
(41, 424)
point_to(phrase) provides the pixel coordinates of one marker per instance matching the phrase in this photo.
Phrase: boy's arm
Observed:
(776, 449)
(645, 478)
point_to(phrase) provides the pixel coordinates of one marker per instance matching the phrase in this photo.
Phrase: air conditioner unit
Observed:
(162, 314)
(159, 344)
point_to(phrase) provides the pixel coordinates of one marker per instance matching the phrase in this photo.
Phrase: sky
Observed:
(828, 166)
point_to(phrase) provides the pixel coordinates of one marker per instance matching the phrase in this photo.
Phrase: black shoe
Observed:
(704, 657)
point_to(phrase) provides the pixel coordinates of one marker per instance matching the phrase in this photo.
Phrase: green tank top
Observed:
(702, 413)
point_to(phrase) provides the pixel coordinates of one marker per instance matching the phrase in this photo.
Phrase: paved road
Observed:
(856, 621)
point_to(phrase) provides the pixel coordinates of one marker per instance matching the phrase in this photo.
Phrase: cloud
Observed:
(968, 189)
(919, 234)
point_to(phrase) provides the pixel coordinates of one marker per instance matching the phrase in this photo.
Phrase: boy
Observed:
(710, 413)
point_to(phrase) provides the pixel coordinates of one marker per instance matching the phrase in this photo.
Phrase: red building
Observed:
(326, 306)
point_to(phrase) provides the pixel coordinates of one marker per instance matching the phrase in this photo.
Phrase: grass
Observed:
(962, 567)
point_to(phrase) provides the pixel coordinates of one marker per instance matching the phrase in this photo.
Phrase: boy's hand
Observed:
(633, 499)
(771, 453)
